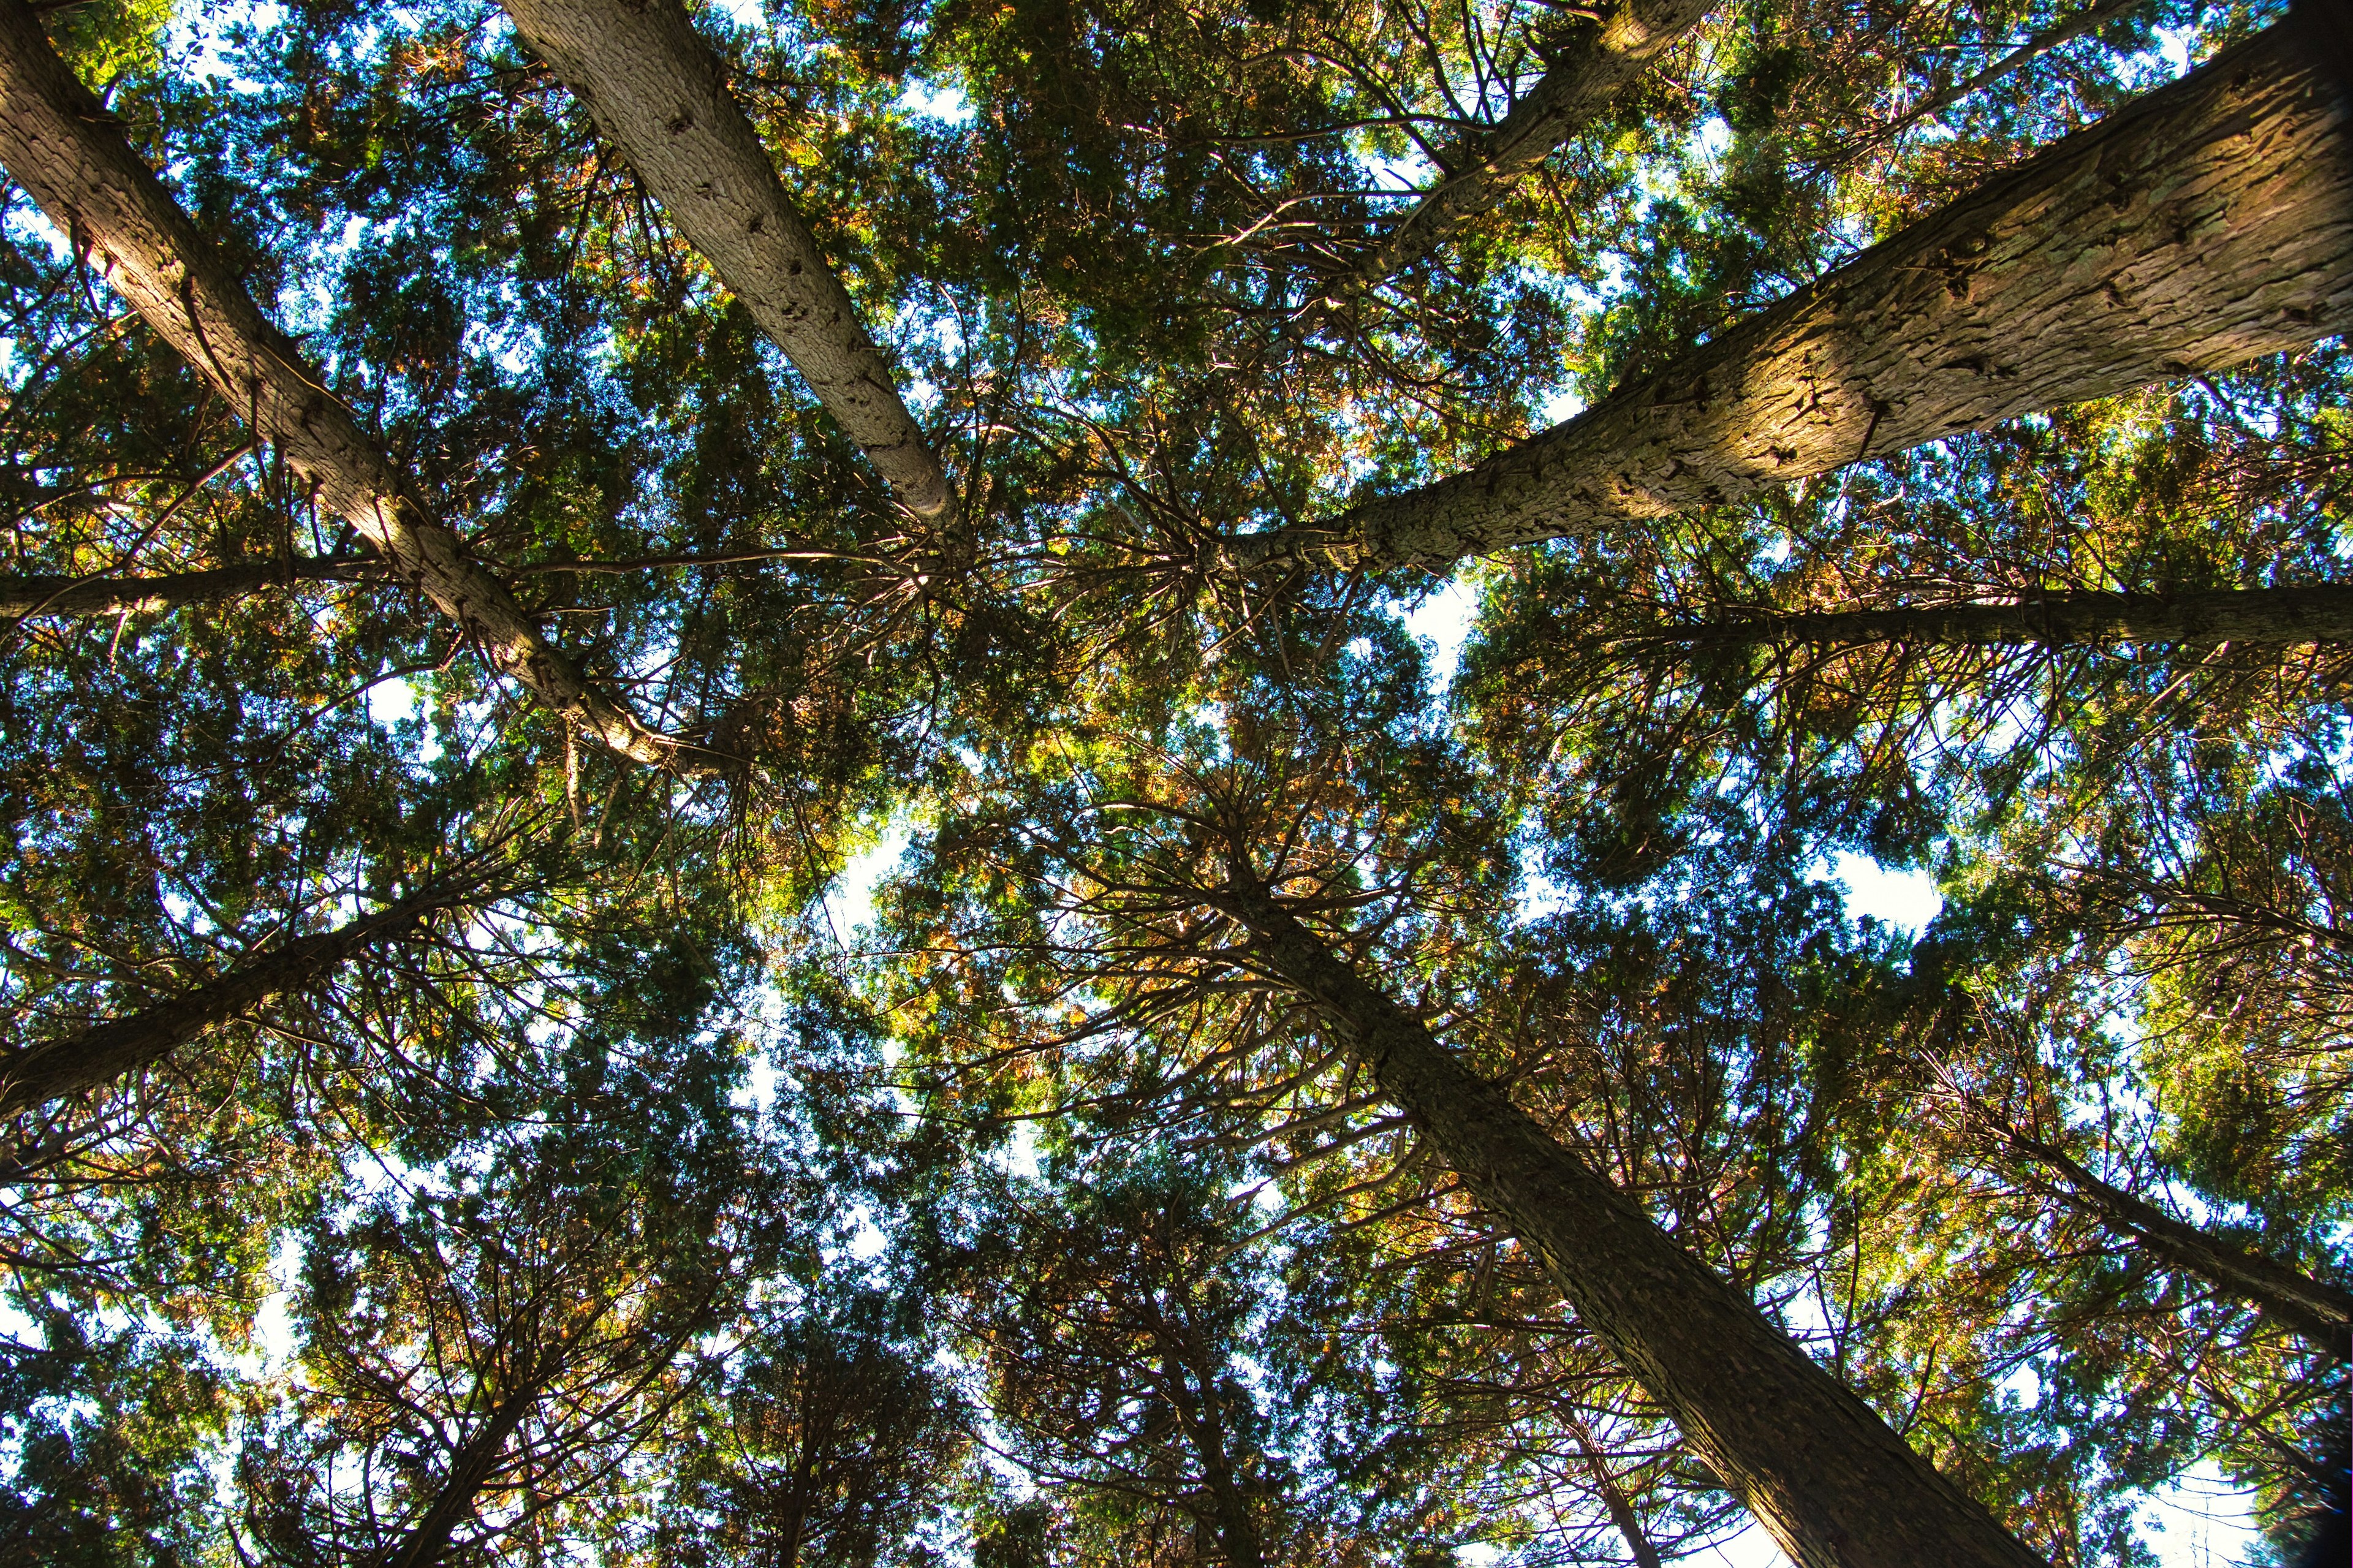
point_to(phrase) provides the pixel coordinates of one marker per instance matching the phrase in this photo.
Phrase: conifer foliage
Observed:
(1067, 782)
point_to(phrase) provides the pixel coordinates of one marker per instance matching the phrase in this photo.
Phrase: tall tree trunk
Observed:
(2207, 223)
(35, 1075)
(65, 148)
(2320, 1313)
(653, 86)
(53, 595)
(1831, 1482)
(1569, 96)
(2323, 612)
(469, 1471)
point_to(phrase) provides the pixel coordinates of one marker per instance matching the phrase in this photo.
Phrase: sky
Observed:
(2199, 1522)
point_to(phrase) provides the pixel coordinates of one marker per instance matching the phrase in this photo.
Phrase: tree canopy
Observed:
(1069, 783)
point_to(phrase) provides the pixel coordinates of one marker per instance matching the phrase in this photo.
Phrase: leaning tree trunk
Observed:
(63, 147)
(2206, 224)
(1569, 96)
(35, 1075)
(1831, 1482)
(2322, 612)
(476, 1461)
(1628, 1522)
(653, 86)
(2320, 1313)
(23, 597)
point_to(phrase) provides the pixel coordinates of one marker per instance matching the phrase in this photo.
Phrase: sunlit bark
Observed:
(1569, 96)
(2207, 224)
(653, 86)
(63, 147)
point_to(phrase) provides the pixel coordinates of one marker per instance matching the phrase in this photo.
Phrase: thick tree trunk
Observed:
(2320, 1313)
(41, 594)
(35, 1075)
(472, 1469)
(653, 86)
(2307, 614)
(1568, 98)
(1834, 1485)
(2206, 224)
(64, 148)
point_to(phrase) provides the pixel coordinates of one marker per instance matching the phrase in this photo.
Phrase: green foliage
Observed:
(641, 1205)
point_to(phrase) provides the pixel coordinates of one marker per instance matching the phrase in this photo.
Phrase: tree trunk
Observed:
(1569, 97)
(1613, 1496)
(2091, 19)
(428, 1543)
(49, 594)
(1831, 1482)
(66, 151)
(2204, 225)
(2320, 1313)
(1196, 1405)
(654, 87)
(2323, 612)
(35, 1075)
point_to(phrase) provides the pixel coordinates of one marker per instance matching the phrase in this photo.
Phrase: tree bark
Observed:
(2322, 612)
(65, 148)
(428, 1543)
(2320, 1313)
(32, 1075)
(22, 597)
(1831, 1481)
(654, 87)
(2206, 224)
(1622, 1516)
(1190, 1387)
(1567, 98)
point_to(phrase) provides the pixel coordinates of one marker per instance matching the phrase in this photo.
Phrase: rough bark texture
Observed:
(653, 86)
(42, 594)
(34, 1075)
(66, 151)
(2204, 225)
(2307, 614)
(1834, 1485)
(2319, 1313)
(1565, 99)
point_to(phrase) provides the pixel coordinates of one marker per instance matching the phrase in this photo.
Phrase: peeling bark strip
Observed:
(1567, 98)
(1835, 1486)
(653, 86)
(63, 148)
(46, 594)
(2205, 224)
(2322, 612)
(33, 1076)
(2319, 1313)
